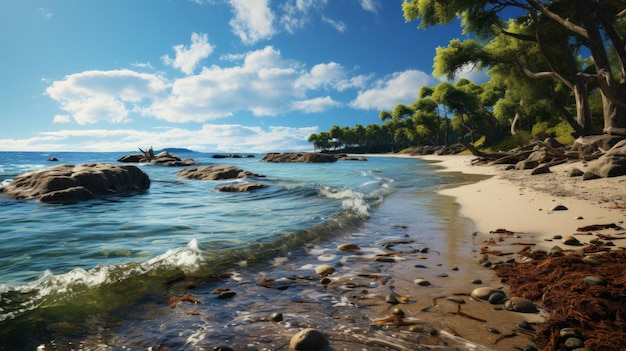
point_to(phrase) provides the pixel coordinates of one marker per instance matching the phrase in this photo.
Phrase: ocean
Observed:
(100, 275)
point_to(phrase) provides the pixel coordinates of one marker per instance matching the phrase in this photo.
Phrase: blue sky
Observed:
(209, 75)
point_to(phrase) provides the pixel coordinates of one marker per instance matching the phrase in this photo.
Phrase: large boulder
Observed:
(306, 157)
(611, 164)
(218, 172)
(70, 183)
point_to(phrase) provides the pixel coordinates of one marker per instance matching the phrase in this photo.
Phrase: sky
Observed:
(209, 75)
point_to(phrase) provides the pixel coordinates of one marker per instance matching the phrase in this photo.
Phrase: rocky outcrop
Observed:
(232, 156)
(240, 187)
(307, 157)
(70, 183)
(611, 164)
(437, 150)
(215, 173)
(163, 158)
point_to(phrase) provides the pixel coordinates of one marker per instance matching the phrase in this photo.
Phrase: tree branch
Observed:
(560, 20)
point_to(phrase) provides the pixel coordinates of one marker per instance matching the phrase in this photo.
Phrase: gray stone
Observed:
(308, 339)
(520, 304)
(306, 157)
(591, 281)
(484, 292)
(215, 173)
(240, 187)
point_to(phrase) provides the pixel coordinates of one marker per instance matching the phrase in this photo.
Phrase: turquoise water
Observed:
(63, 264)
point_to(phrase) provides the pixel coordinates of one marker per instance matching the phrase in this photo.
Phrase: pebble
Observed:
(325, 281)
(570, 240)
(391, 298)
(559, 208)
(276, 317)
(222, 348)
(324, 270)
(348, 247)
(308, 339)
(385, 259)
(525, 325)
(568, 332)
(442, 275)
(477, 281)
(484, 292)
(591, 261)
(591, 281)
(573, 343)
(456, 299)
(420, 266)
(557, 237)
(398, 312)
(455, 268)
(421, 282)
(493, 330)
(529, 348)
(520, 304)
(496, 298)
(226, 295)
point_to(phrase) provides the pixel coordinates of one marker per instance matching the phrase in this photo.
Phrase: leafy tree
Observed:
(543, 41)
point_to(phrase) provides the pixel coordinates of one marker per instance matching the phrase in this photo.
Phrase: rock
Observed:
(484, 292)
(70, 184)
(611, 164)
(348, 247)
(276, 317)
(421, 282)
(590, 261)
(520, 304)
(222, 348)
(456, 299)
(525, 325)
(306, 157)
(52, 159)
(215, 173)
(540, 170)
(572, 241)
(164, 158)
(392, 299)
(477, 281)
(324, 270)
(496, 298)
(308, 339)
(240, 187)
(226, 295)
(398, 312)
(575, 172)
(573, 343)
(591, 281)
(568, 333)
(559, 208)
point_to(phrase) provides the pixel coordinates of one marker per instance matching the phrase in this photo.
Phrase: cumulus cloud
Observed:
(209, 137)
(296, 13)
(187, 58)
(253, 21)
(104, 96)
(400, 87)
(315, 105)
(61, 119)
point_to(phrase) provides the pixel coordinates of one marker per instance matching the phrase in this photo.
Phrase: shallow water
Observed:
(98, 275)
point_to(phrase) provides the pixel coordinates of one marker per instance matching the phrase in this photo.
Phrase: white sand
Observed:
(520, 202)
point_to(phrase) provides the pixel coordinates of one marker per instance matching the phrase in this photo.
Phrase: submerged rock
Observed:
(70, 183)
(306, 157)
(215, 173)
(240, 187)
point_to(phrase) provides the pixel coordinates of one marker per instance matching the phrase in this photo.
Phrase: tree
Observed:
(555, 29)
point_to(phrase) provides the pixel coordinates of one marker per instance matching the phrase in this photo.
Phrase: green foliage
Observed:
(512, 141)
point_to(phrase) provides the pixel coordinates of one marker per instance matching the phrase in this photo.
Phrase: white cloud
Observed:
(297, 13)
(253, 20)
(400, 87)
(338, 25)
(370, 5)
(187, 58)
(61, 119)
(315, 105)
(45, 13)
(142, 65)
(210, 137)
(104, 96)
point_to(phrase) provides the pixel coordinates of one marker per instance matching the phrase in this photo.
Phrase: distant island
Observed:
(175, 150)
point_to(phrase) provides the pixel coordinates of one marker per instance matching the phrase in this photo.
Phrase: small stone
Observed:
(420, 266)
(525, 325)
(456, 299)
(442, 275)
(391, 298)
(557, 237)
(590, 261)
(421, 282)
(520, 304)
(559, 208)
(385, 259)
(226, 295)
(529, 348)
(276, 317)
(348, 247)
(308, 339)
(493, 330)
(573, 343)
(222, 348)
(591, 281)
(496, 298)
(568, 332)
(424, 250)
(570, 240)
(398, 312)
(324, 270)
(477, 281)
(325, 281)
(483, 293)
(455, 268)
(580, 217)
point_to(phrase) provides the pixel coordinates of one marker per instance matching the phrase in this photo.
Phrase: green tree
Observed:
(557, 31)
